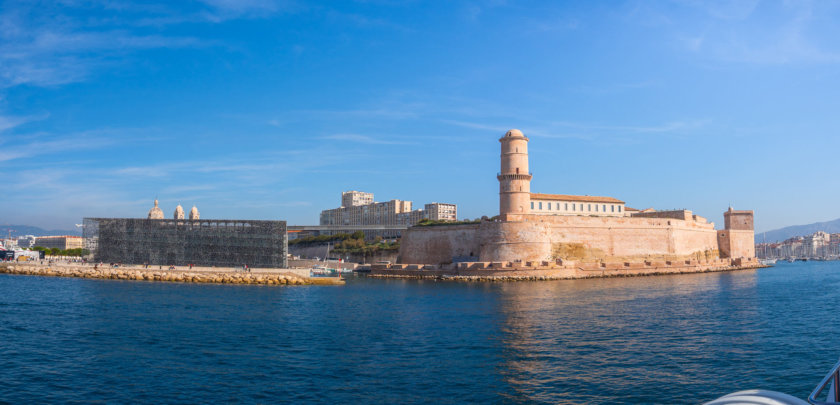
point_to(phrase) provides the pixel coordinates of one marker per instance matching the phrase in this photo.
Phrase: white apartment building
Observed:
(394, 212)
(356, 198)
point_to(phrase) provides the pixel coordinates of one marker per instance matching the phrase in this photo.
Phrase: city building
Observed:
(819, 245)
(62, 242)
(356, 198)
(358, 208)
(26, 241)
(201, 242)
(560, 204)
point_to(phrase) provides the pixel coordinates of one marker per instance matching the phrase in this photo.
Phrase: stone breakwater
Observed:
(165, 276)
(533, 271)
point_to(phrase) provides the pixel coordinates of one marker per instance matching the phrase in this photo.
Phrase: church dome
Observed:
(194, 214)
(179, 212)
(156, 212)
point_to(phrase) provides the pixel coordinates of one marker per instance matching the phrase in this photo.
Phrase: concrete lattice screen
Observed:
(205, 242)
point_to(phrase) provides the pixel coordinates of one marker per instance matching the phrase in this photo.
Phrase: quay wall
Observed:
(319, 250)
(518, 271)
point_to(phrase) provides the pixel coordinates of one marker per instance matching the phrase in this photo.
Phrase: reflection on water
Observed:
(664, 339)
(605, 337)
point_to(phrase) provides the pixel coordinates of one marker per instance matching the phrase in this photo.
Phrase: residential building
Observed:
(62, 242)
(358, 208)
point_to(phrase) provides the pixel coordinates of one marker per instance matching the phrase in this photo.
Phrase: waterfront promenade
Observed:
(184, 274)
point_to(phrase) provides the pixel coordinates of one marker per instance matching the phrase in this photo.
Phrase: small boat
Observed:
(767, 262)
(826, 393)
(322, 271)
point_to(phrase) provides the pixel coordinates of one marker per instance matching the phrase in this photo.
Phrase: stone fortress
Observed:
(572, 236)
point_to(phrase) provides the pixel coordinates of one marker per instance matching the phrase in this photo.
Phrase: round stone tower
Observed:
(514, 177)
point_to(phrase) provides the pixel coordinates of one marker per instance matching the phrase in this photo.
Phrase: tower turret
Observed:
(194, 214)
(156, 212)
(514, 177)
(179, 212)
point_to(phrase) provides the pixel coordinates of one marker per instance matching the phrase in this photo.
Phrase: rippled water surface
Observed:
(667, 339)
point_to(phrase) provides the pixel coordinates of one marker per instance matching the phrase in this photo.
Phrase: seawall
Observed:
(214, 276)
(525, 271)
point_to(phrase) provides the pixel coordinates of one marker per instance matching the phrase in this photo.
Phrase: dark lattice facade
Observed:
(179, 242)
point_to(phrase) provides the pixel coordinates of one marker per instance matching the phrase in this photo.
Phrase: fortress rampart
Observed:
(583, 234)
(549, 238)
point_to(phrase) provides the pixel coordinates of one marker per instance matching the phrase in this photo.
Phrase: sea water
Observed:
(660, 339)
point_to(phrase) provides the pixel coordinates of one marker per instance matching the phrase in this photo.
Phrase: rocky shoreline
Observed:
(108, 273)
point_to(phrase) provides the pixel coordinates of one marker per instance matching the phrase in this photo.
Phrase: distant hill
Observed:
(20, 230)
(779, 235)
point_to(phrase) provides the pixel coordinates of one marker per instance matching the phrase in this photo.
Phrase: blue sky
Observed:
(269, 109)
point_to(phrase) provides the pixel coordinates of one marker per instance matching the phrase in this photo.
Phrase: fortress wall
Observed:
(578, 238)
(510, 241)
(438, 244)
(609, 238)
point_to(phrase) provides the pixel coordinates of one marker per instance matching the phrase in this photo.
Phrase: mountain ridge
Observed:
(21, 230)
(781, 234)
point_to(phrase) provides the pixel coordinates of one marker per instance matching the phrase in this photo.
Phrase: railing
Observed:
(831, 380)
(500, 174)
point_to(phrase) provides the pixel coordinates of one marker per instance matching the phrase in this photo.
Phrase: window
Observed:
(540, 204)
(605, 208)
(619, 208)
(596, 207)
(573, 207)
(532, 205)
(549, 206)
(589, 207)
(567, 206)
(612, 208)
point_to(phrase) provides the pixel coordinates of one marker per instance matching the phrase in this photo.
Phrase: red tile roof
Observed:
(581, 198)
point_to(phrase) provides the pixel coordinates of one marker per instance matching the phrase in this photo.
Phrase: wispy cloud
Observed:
(356, 138)
(8, 122)
(587, 131)
(39, 144)
(731, 33)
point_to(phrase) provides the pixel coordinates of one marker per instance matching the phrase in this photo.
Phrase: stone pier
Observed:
(195, 275)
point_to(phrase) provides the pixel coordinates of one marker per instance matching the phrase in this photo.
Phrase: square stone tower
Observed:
(737, 239)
